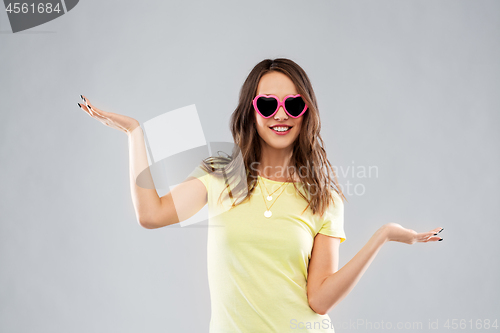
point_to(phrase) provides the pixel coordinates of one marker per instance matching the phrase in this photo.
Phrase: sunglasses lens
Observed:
(267, 105)
(295, 105)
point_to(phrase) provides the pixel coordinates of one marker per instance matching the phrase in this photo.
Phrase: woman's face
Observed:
(280, 85)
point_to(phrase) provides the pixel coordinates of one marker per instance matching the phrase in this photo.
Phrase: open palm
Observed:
(114, 120)
(397, 233)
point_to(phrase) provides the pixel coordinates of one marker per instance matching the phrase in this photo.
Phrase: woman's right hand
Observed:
(114, 120)
(397, 233)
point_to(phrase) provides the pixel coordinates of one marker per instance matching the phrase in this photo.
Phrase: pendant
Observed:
(268, 213)
(269, 198)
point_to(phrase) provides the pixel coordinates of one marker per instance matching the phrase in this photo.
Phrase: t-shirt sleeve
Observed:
(333, 219)
(202, 175)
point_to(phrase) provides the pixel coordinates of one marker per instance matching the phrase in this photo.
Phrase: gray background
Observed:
(410, 87)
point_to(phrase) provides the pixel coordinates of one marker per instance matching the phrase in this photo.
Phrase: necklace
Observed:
(270, 196)
(268, 212)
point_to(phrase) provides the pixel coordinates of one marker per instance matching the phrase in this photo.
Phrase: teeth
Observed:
(281, 129)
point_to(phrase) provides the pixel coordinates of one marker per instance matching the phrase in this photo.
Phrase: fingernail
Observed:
(440, 230)
(436, 234)
(89, 106)
(79, 105)
(440, 239)
(81, 96)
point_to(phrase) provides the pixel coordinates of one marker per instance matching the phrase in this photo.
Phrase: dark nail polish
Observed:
(79, 105)
(81, 96)
(440, 230)
(88, 106)
(436, 234)
(441, 239)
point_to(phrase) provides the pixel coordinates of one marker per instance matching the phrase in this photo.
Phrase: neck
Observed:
(274, 163)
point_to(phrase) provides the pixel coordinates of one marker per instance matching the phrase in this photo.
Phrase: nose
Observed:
(281, 114)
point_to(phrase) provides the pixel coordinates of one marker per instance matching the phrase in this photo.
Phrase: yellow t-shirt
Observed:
(257, 266)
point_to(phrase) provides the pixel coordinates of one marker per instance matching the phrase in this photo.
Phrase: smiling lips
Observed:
(280, 129)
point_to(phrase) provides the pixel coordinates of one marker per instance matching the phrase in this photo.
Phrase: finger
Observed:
(433, 239)
(435, 231)
(90, 112)
(93, 109)
(89, 109)
(438, 230)
(82, 106)
(425, 236)
(428, 234)
(86, 102)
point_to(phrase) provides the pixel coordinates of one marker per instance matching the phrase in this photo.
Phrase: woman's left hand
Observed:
(395, 232)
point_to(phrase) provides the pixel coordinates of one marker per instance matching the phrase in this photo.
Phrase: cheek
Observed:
(256, 119)
(298, 126)
(259, 122)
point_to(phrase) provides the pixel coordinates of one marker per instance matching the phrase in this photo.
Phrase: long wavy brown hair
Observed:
(308, 149)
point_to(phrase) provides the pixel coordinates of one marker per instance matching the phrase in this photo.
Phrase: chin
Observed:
(279, 144)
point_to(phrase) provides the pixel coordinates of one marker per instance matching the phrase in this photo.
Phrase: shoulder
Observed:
(337, 198)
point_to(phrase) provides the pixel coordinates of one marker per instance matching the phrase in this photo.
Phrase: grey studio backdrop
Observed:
(409, 88)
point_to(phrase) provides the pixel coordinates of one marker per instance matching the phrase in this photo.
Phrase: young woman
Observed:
(273, 260)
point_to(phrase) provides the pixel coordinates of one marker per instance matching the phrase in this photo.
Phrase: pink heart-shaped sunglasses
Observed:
(268, 105)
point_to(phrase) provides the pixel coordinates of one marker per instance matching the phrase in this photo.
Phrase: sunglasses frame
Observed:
(280, 103)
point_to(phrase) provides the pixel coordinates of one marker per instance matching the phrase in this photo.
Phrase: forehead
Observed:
(276, 83)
